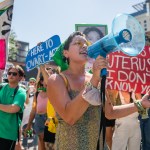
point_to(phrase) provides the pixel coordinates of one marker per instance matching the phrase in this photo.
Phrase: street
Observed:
(32, 143)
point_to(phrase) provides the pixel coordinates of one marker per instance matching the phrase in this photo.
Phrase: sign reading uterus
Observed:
(43, 53)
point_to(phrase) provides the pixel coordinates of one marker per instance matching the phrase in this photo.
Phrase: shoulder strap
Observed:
(15, 91)
(65, 80)
(17, 114)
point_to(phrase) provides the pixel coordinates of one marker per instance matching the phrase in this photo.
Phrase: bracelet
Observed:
(91, 95)
(89, 85)
(139, 105)
(141, 110)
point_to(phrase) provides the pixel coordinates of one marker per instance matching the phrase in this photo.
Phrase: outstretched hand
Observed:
(146, 100)
(25, 131)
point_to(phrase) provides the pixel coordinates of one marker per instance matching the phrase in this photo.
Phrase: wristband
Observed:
(91, 95)
(142, 111)
(89, 85)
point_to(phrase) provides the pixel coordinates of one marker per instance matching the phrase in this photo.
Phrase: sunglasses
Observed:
(13, 73)
(48, 68)
(31, 82)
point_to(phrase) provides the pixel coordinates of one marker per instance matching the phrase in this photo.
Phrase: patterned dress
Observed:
(83, 135)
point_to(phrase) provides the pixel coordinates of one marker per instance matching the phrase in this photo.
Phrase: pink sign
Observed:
(129, 73)
(2, 54)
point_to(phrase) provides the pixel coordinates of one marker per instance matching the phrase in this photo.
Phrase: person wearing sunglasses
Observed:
(46, 139)
(51, 122)
(32, 81)
(10, 104)
(31, 88)
(50, 68)
(38, 112)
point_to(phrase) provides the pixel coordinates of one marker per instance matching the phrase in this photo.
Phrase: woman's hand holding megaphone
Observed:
(98, 65)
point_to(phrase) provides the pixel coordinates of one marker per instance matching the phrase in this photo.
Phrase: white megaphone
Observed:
(126, 35)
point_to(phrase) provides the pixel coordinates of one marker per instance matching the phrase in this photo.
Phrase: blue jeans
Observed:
(39, 125)
(145, 130)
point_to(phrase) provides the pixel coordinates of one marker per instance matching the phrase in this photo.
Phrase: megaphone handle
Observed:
(103, 72)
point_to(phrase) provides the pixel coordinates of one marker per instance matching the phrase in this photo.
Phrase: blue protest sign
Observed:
(43, 53)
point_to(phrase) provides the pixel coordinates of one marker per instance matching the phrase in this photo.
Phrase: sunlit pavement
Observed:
(31, 144)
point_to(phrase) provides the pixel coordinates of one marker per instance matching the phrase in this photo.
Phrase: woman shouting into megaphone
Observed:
(75, 97)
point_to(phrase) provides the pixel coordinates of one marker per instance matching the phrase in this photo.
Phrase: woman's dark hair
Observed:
(69, 40)
(19, 69)
(89, 29)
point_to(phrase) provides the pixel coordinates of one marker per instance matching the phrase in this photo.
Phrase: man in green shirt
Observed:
(10, 104)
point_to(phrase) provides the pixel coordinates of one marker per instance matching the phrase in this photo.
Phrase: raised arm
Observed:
(38, 76)
(113, 112)
(32, 113)
(44, 73)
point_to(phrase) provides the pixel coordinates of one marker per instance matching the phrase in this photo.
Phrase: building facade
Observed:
(142, 14)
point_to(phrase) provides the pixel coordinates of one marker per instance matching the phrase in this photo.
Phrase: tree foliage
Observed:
(12, 46)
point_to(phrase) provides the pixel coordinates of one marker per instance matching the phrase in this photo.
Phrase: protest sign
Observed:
(127, 73)
(3, 53)
(43, 53)
(6, 12)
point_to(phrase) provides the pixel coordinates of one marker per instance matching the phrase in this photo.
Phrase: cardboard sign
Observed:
(127, 73)
(43, 53)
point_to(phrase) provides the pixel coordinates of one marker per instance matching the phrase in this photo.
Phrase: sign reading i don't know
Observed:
(42, 53)
(126, 73)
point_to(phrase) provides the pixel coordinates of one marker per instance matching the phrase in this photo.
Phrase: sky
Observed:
(38, 20)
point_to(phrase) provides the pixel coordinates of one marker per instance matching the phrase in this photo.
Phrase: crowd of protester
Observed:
(38, 113)
(39, 117)
(64, 113)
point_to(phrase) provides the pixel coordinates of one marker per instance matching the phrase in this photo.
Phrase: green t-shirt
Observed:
(8, 121)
